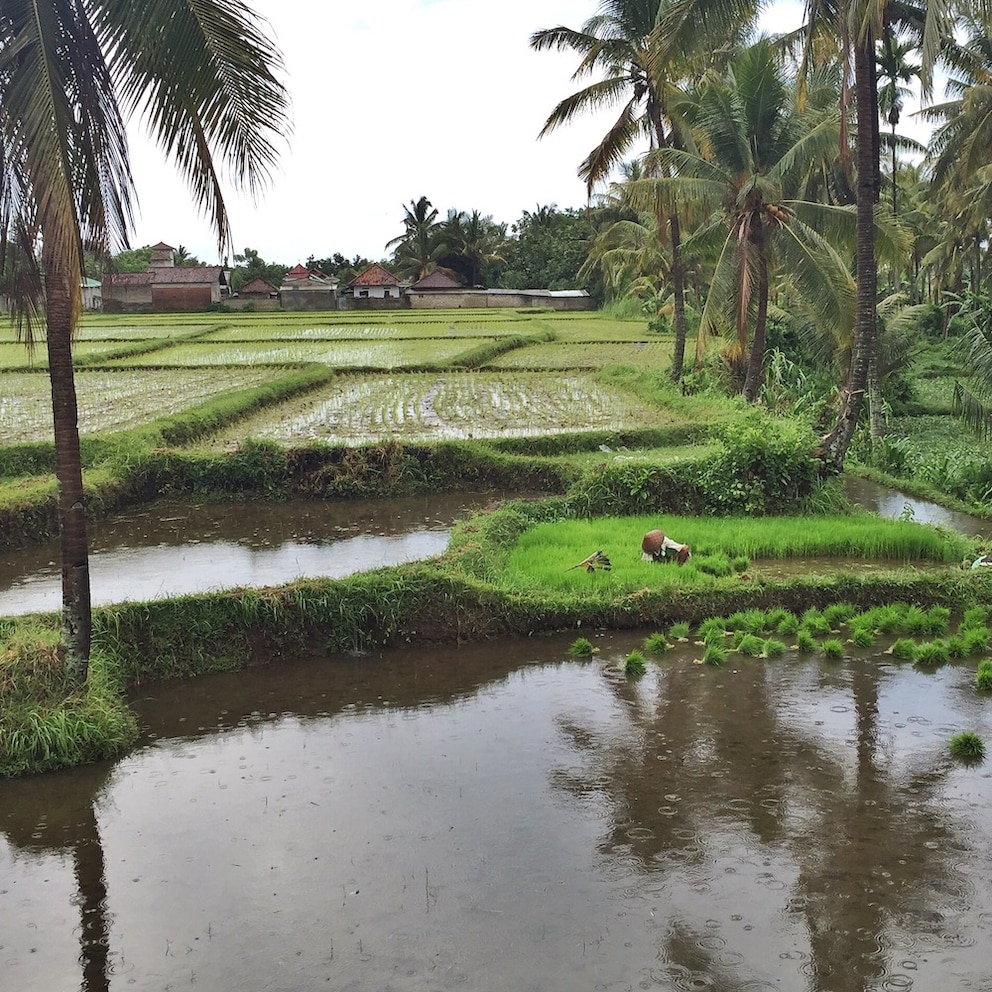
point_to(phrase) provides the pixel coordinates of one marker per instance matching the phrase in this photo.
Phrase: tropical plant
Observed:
(755, 148)
(71, 72)
(415, 250)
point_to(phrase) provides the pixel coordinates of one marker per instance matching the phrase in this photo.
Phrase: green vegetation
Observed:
(967, 746)
(581, 647)
(635, 663)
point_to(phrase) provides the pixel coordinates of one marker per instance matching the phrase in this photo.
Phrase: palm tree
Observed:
(756, 148)
(618, 42)
(896, 69)
(71, 71)
(415, 250)
(469, 243)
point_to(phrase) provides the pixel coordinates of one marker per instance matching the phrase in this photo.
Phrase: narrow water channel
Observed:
(174, 549)
(500, 817)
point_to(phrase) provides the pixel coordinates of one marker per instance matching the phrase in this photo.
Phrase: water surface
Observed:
(498, 817)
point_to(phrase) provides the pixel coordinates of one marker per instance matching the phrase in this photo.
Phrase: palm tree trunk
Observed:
(678, 289)
(876, 415)
(837, 442)
(60, 295)
(756, 364)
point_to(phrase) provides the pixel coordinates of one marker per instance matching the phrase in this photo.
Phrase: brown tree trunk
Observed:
(837, 442)
(678, 289)
(61, 300)
(756, 364)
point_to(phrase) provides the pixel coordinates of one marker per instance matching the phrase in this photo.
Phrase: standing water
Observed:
(498, 817)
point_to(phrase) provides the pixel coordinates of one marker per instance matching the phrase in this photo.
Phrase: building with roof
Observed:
(165, 286)
(307, 289)
(375, 283)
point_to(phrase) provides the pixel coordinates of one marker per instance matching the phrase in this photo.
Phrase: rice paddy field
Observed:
(406, 376)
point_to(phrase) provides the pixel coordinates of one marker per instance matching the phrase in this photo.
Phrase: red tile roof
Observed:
(375, 275)
(438, 279)
(258, 286)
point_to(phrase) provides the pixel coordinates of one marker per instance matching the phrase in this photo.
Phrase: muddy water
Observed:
(893, 504)
(171, 549)
(501, 818)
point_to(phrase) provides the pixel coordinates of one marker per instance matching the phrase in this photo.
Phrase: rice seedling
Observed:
(903, 649)
(740, 564)
(975, 616)
(778, 615)
(713, 628)
(833, 648)
(888, 619)
(716, 565)
(714, 655)
(805, 641)
(983, 677)
(967, 746)
(837, 614)
(937, 618)
(635, 663)
(656, 643)
(862, 635)
(931, 654)
(915, 621)
(976, 640)
(956, 647)
(679, 631)
(750, 645)
(749, 621)
(581, 647)
(773, 648)
(815, 622)
(594, 355)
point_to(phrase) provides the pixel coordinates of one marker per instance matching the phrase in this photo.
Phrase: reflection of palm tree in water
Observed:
(728, 755)
(66, 804)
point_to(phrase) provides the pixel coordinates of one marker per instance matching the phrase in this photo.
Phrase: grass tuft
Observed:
(967, 746)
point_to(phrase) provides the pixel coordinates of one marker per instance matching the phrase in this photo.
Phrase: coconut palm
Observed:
(469, 243)
(617, 42)
(202, 75)
(755, 149)
(415, 250)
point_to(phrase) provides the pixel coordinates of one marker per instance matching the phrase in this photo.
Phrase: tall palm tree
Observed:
(755, 149)
(71, 71)
(469, 243)
(415, 250)
(618, 43)
(896, 69)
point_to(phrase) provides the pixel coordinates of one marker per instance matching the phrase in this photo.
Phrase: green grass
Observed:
(967, 746)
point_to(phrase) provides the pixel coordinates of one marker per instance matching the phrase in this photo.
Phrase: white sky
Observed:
(393, 99)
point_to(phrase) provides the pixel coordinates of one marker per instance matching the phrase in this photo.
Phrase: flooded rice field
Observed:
(498, 817)
(173, 549)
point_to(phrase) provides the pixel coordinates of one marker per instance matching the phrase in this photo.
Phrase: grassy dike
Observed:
(506, 573)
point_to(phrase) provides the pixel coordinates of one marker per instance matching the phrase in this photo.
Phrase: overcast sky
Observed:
(392, 100)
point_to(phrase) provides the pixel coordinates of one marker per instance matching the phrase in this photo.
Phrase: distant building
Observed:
(375, 283)
(164, 286)
(308, 289)
(92, 293)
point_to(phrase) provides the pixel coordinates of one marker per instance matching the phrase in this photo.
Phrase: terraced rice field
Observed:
(434, 407)
(110, 401)
(368, 332)
(383, 354)
(561, 355)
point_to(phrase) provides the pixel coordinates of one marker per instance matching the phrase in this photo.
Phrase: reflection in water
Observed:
(496, 817)
(173, 549)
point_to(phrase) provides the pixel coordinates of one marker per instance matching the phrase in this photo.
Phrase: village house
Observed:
(165, 286)
(307, 289)
(375, 288)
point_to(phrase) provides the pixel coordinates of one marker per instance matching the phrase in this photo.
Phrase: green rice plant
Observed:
(773, 648)
(967, 746)
(581, 647)
(862, 635)
(915, 621)
(983, 677)
(976, 640)
(931, 654)
(903, 649)
(635, 663)
(713, 628)
(740, 563)
(837, 614)
(679, 631)
(975, 616)
(815, 622)
(717, 565)
(805, 641)
(956, 647)
(714, 655)
(656, 643)
(748, 621)
(888, 619)
(750, 645)
(937, 618)
(833, 648)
